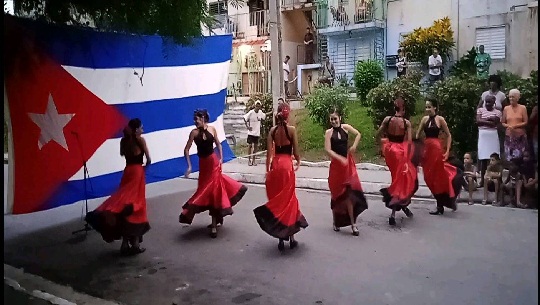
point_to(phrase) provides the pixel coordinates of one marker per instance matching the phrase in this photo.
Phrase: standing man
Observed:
(308, 43)
(435, 66)
(328, 72)
(482, 61)
(286, 72)
(253, 119)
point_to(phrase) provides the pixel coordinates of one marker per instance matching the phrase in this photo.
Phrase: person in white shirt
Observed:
(253, 120)
(286, 72)
(435, 66)
(495, 85)
(401, 64)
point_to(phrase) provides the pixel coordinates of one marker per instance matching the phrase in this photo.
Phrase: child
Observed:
(527, 186)
(510, 184)
(469, 175)
(492, 178)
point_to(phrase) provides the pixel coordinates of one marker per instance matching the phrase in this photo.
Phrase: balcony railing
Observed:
(298, 4)
(249, 25)
(343, 13)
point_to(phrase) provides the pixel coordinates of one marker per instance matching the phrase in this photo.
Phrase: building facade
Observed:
(508, 29)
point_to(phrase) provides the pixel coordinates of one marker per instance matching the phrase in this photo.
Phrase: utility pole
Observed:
(276, 56)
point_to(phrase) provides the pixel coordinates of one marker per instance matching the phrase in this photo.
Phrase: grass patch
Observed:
(311, 135)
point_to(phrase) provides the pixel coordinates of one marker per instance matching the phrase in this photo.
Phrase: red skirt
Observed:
(124, 213)
(216, 192)
(404, 174)
(280, 217)
(344, 185)
(442, 178)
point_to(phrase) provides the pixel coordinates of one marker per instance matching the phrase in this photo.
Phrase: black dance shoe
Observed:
(408, 212)
(293, 244)
(281, 245)
(392, 221)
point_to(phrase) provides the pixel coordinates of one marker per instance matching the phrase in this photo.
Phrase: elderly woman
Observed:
(487, 119)
(515, 119)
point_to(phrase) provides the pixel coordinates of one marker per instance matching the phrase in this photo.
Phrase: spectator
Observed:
(533, 125)
(401, 64)
(435, 66)
(527, 186)
(469, 175)
(309, 46)
(482, 61)
(286, 72)
(509, 186)
(495, 85)
(515, 119)
(492, 179)
(487, 119)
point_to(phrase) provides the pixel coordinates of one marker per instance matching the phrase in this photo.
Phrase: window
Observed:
(494, 41)
(217, 8)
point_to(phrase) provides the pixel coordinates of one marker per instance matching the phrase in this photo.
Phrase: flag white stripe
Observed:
(157, 83)
(162, 145)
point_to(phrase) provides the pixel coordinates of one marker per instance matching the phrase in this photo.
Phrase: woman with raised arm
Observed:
(216, 192)
(347, 198)
(280, 217)
(398, 151)
(442, 178)
(123, 215)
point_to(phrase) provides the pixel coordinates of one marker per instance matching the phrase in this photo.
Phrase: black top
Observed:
(134, 159)
(338, 141)
(393, 137)
(431, 129)
(283, 149)
(205, 147)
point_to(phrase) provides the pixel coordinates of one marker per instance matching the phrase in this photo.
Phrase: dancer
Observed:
(216, 192)
(280, 217)
(442, 178)
(123, 215)
(398, 150)
(347, 198)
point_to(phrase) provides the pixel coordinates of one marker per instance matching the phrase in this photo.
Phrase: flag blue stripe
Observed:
(82, 47)
(100, 186)
(173, 113)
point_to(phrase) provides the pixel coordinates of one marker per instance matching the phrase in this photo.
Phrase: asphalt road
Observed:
(477, 255)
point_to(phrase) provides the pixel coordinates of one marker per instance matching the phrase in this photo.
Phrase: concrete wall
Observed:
(466, 16)
(521, 32)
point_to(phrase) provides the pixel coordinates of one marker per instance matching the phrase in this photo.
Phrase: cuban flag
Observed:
(71, 91)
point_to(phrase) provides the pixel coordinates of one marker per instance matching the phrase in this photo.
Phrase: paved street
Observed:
(477, 255)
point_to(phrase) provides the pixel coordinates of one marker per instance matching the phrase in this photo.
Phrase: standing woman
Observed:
(216, 192)
(442, 178)
(347, 198)
(397, 150)
(280, 217)
(515, 119)
(123, 215)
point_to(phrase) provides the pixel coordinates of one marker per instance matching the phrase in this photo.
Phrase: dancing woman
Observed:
(442, 178)
(347, 198)
(398, 150)
(216, 192)
(280, 217)
(123, 215)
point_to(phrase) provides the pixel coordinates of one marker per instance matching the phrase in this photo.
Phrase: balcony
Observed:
(244, 26)
(303, 5)
(350, 16)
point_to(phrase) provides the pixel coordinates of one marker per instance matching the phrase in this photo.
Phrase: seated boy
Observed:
(492, 178)
(469, 175)
(527, 186)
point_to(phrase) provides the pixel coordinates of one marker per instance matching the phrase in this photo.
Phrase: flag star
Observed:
(52, 125)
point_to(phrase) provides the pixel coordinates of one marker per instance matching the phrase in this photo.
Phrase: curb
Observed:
(36, 286)
(369, 188)
(362, 166)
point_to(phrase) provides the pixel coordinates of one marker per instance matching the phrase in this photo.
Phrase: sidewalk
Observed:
(314, 176)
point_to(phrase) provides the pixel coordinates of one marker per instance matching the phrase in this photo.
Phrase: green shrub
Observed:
(458, 98)
(267, 107)
(465, 65)
(528, 87)
(368, 74)
(323, 100)
(380, 100)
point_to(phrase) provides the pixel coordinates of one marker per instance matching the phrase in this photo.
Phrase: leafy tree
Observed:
(419, 44)
(465, 65)
(178, 19)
